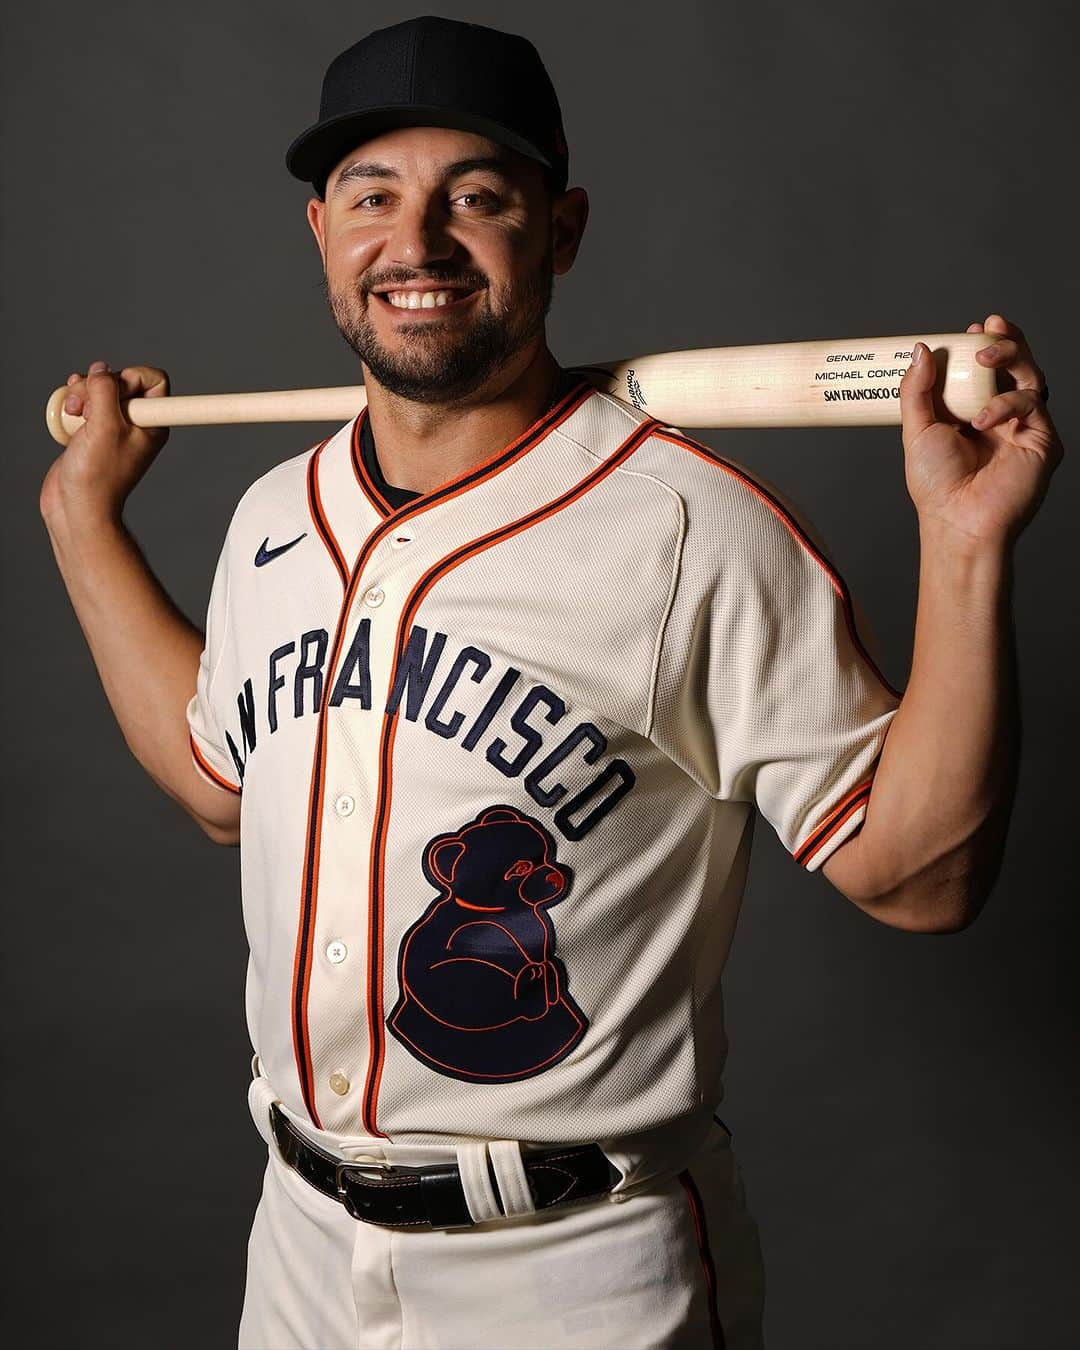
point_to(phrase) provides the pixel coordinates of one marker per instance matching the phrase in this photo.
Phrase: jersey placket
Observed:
(344, 934)
(348, 802)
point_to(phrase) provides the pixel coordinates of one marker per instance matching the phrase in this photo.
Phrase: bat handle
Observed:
(337, 404)
(57, 420)
(63, 425)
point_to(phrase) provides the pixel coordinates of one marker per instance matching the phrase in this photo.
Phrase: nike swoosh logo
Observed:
(266, 555)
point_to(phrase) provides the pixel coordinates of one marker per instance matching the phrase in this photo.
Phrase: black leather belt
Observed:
(410, 1197)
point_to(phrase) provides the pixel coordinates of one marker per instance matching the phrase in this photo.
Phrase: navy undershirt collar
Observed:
(399, 496)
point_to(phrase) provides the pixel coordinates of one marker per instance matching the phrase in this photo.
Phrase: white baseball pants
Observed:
(670, 1263)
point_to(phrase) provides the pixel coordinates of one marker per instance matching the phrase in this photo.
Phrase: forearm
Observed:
(146, 652)
(943, 790)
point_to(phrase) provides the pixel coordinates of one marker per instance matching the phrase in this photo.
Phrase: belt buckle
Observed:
(356, 1164)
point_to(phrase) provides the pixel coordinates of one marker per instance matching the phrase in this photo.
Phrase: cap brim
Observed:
(315, 153)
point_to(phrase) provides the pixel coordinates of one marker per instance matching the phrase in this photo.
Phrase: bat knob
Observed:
(62, 425)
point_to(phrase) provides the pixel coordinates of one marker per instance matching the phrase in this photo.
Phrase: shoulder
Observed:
(278, 494)
(730, 508)
(281, 483)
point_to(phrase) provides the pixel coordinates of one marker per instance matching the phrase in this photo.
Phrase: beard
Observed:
(433, 363)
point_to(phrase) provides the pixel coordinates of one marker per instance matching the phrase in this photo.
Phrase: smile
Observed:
(425, 300)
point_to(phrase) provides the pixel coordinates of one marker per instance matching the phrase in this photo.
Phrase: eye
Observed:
(481, 198)
(478, 196)
(521, 868)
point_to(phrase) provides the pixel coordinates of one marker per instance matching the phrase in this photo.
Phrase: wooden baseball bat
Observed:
(840, 382)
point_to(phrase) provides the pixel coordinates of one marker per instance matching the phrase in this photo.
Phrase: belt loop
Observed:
(476, 1181)
(510, 1173)
(260, 1097)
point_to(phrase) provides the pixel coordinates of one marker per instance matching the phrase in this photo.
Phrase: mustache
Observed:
(472, 283)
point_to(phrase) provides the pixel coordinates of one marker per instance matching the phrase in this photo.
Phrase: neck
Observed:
(423, 445)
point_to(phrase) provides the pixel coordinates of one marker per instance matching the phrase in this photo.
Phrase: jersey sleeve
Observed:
(774, 700)
(210, 750)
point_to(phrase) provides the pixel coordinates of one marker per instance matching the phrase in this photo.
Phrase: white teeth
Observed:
(419, 299)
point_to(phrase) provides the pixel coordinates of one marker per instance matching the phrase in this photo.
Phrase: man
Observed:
(492, 681)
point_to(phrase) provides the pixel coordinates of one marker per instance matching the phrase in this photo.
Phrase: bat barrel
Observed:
(828, 382)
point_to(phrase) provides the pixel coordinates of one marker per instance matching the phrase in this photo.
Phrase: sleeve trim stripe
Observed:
(203, 763)
(834, 821)
(839, 584)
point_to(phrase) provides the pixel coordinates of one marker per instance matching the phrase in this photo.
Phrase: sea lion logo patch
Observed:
(483, 996)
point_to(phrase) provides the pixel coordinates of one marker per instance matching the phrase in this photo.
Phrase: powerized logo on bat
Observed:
(634, 389)
(483, 996)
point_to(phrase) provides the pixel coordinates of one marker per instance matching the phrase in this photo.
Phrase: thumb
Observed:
(103, 402)
(917, 410)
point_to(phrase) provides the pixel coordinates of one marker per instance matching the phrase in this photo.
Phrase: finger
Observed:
(998, 323)
(1010, 355)
(75, 402)
(917, 411)
(76, 396)
(144, 382)
(974, 328)
(1021, 403)
(103, 402)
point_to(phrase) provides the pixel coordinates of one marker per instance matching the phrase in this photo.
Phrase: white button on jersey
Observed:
(344, 805)
(400, 540)
(336, 952)
(375, 596)
(339, 1083)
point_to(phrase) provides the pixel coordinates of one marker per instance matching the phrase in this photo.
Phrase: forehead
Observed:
(427, 152)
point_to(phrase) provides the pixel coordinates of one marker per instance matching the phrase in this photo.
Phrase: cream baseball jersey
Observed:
(500, 751)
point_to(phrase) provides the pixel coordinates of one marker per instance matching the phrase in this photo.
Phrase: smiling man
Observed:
(440, 248)
(494, 683)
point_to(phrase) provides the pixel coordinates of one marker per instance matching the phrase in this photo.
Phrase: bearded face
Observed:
(441, 355)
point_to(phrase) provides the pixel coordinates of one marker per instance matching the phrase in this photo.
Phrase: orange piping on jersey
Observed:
(319, 517)
(208, 768)
(559, 412)
(835, 820)
(838, 583)
(305, 931)
(302, 956)
(376, 1029)
(701, 1232)
(363, 478)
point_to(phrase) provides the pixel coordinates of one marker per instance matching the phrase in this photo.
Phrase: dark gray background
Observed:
(904, 1106)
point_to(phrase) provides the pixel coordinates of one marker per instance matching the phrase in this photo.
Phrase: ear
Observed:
(443, 856)
(569, 214)
(316, 214)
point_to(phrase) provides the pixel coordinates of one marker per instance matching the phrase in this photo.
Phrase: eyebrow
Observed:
(365, 168)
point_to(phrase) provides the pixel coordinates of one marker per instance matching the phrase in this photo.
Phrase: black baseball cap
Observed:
(434, 72)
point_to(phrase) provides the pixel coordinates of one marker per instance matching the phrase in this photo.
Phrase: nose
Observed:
(420, 237)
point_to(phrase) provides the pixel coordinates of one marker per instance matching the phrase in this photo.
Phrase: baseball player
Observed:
(494, 680)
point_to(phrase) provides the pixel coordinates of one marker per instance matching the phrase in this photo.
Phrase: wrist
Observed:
(944, 538)
(82, 523)
(956, 568)
(68, 512)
